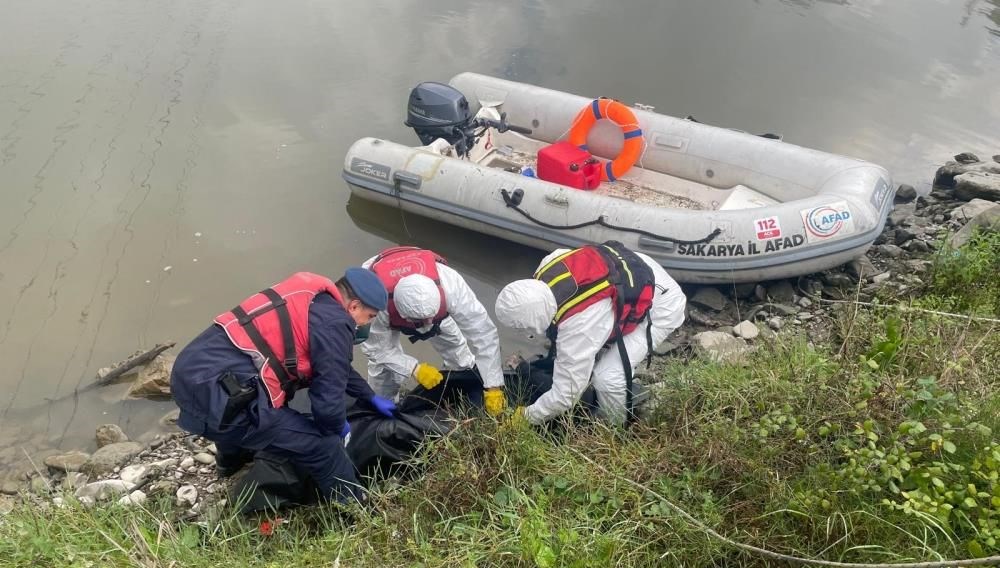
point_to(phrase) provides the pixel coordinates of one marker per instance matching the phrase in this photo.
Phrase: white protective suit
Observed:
(530, 305)
(468, 337)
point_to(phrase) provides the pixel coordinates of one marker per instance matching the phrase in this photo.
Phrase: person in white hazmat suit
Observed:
(428, 300)
(585, 298)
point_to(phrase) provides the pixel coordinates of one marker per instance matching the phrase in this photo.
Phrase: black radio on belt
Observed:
(240, 396)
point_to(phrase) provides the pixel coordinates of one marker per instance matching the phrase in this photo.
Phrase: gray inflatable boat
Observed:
(712, 205)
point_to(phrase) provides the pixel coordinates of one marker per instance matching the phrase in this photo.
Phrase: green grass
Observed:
(877, 447)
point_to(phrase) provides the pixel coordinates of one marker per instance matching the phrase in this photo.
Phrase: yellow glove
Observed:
(516, 420)
(427, 376)
(494, 401)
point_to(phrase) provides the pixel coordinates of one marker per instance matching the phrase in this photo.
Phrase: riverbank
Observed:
(848, 416)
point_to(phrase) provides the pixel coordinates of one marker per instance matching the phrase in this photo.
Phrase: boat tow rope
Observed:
(513, 202)
(985, 561)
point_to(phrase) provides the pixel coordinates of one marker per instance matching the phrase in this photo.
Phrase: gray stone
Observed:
(917, 245)
(10, 487)
(969, 210)
(211, 448)
(905, 193)
(881, 278)
(134, 474)
(164, 463)
(187, 496)
(204, 458)
(947, 174)
(187, 462)
(134, 498)
(106, 458)
(918, 266)
(709, 297)
(169, 420)
(70, 461)
(838, 280)
(759, 293)
(781, 291)
(978, 184)
(902, 214)
(153, 381)
(804, 302)
(719, 346)
(988, 221)
(163, 487)
(744, 290)
(101, 490)
(6, 505)
(903, 236)
(862, 268)
(775, 323)
(109, 434)
(939, 218)
(891, 251)
(966, 158)
(75, 480)
(746, 330)
(86, 502)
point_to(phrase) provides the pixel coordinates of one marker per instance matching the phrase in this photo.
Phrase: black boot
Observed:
(226, 464)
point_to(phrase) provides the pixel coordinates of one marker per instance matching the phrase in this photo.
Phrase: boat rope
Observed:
(512, 203)
(985, 561)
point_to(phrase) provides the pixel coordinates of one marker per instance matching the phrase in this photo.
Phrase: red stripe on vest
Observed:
(298, 290)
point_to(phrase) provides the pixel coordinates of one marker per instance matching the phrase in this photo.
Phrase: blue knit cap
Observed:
(367, 287)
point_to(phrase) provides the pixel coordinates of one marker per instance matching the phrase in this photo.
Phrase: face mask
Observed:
(361, 333)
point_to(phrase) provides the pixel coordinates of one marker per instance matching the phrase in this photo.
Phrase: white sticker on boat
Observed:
(767, 228)
(828, 221)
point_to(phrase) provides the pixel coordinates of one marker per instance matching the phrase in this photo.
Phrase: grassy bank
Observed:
(879, 446)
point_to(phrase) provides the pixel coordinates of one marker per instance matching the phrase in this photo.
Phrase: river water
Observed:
(161, 160)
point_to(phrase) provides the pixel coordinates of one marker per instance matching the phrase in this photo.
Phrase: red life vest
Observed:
(272, 327)
(394, 264)
(584, 276)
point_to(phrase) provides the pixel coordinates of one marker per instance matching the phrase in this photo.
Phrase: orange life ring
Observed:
(621, 115)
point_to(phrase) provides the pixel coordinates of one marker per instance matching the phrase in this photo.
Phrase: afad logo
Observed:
(828, 221)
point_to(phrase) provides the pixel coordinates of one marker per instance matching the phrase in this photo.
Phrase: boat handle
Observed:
(646, 242)
(402, 177)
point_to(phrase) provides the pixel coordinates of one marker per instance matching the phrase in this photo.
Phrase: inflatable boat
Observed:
(551, 169)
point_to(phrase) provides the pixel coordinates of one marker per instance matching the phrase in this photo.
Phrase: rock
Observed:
(187, 496)
(719, 346)
(134, 474)
(978, 184)
(903, 236)
(837, 280)
(743, 291)
(988, 221)
(834, 293)
(775, 323)
(902, 215)
(939, 218)
(169, 420)
(918, 266)
(781, 292)
(10, 487)
(708, 297)
(917, 245)
(891, 251)
(101, 490)
(905, 193)
(109, 434)
(163, 487)
(881, 278)
(153, 381)
(746, 330)
(211, 448)
(862, 268)
(187, 462)
(697, 316)
(947, 174)
(996, 158)
(86, 502)
(164, 463)
(805, 316)
(969, 210)
(204, 458)
(40, 485)
(804, 302)
(966, 158)
(134, 498)
(6, 505)
(70, 461)
(106, 458)
(75, 480)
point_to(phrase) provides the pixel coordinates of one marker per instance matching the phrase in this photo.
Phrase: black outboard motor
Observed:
(436, 110)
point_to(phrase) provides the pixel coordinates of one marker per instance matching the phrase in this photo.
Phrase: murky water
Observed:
(161, 160)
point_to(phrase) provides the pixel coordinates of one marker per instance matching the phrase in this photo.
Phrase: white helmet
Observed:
(417, 297)
(526, 304)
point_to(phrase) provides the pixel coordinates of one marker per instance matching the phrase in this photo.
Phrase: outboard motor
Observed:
(436, 110)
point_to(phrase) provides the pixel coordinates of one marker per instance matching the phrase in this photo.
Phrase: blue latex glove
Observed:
(385, 406)
(346, 430)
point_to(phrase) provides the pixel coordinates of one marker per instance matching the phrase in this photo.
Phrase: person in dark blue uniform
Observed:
(232, 382)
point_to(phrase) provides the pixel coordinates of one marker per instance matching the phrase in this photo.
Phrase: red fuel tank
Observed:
(565, 164)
